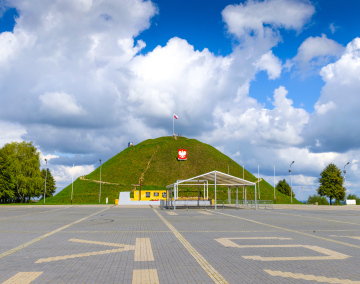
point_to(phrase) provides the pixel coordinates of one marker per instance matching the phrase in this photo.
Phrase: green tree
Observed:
(6, 185)
(331, 183)
(284, 188)
(22, 163)
(50, 183)
(321, 200)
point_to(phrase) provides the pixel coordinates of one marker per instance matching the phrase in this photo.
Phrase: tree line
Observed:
(331, 186)
(20, 176)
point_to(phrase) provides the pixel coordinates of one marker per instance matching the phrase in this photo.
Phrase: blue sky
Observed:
(266, 82)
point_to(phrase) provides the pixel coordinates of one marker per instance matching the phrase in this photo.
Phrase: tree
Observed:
(331, 183)
(321, 200)
(6, 185)
(22, 163)
(284, 188)
(50, 183)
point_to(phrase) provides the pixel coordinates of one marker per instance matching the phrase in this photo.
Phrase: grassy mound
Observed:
(154, 161)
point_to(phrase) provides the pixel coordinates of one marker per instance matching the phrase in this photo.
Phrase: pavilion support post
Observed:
(171, 190)
(166, 198)
(245, 197)
(207, 190)
(237, 197)
(198, 203)
(204, 192)
(215, 192)
(255, 198)
(175, 190)
(229, 195)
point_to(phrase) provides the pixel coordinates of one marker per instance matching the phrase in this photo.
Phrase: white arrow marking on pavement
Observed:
(309, 277)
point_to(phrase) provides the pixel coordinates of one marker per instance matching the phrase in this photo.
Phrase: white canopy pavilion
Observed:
(217, 179)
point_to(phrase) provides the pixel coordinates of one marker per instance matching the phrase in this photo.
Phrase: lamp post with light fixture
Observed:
(45, 180)
(291, 181)
(345, 174)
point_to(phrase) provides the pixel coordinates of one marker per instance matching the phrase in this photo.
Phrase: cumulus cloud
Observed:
(271, 64)
(316, 52)
(248, 120)
(58, 104)
(11, 132)
(262, 19)
(337, 108)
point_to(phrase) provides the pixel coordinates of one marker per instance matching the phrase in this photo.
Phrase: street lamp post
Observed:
(100, 181)
(45, 180)
(345, 174)
(72, 183)
(243, 186)
(291, 181)
(274, 183)
(259, 179)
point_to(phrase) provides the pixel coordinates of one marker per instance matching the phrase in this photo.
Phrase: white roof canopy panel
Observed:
(221, 179)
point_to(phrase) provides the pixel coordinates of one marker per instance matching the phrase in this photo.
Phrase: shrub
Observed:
(321, 200)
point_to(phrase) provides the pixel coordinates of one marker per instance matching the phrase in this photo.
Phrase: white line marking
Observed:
(145, 276)
(293, 231)
(171, 213)
(330, 254)
(143, 250)
(309, 277)
(208, 268)
(46, 235)
(97, 243)
(205, 213)
(57, 258)
(23, 278)
(351, 237)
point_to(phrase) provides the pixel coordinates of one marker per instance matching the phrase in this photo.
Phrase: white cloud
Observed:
(262, 18)
(315, 52)
(324, 108)
(248, 121)
(333, 28)
(337, 109)
(271, 64)
(11, 132)
(59, 103)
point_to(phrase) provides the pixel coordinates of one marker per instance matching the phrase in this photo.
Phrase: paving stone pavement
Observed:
(114, 244)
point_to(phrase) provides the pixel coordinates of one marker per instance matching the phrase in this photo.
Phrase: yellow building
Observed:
(148, 195)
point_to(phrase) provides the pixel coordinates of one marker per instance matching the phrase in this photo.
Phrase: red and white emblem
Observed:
(182, 154)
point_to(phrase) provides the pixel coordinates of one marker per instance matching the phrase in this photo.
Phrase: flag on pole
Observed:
(176, 117)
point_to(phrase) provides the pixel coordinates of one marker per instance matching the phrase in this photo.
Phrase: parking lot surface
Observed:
(118, 244)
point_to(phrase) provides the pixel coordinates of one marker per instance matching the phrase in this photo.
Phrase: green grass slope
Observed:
(154, 161)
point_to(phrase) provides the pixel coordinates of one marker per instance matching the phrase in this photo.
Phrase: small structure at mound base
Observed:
(215, 178)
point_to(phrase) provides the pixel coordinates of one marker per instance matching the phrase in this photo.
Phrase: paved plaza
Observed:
(114, 244)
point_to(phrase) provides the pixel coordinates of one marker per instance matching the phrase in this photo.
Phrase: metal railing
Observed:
(221, 204)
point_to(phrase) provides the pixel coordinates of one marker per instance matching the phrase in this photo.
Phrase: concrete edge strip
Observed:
(293, 231)
(46, 235)
(208, 268)
(35, 213)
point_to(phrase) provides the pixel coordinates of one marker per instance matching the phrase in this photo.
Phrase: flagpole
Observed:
(173, 124)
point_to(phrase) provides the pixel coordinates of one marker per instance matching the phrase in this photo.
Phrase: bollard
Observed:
(107, 200)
